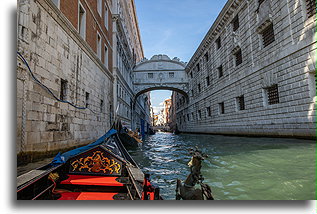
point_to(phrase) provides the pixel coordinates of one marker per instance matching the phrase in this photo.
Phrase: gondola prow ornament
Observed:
(187, 191)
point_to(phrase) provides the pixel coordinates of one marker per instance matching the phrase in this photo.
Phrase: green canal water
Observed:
(238, 168)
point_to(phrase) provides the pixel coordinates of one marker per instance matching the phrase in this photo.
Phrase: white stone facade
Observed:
(55, 52)
(288, 62)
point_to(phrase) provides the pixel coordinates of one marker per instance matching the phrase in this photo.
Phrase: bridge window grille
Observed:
(218, 43)
(235, 23)
(221, 108)
(220, 71)
(171, 74)
(268, 35)
(63, 94)
(311, 8)
(240, 103)
(209, 111)
(150, 75)
(208, 80)
(238, 56)
(273, 95)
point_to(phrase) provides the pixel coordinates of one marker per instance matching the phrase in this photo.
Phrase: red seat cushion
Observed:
(92, 180)
(87, 196)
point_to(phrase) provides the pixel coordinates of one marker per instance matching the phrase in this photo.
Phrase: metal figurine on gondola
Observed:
(187, 190)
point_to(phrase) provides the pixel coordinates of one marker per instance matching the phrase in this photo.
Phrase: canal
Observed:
(238, 168)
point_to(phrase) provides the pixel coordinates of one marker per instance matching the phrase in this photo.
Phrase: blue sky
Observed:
(175, 28)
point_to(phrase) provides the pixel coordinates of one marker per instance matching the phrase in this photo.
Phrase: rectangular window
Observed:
(99, 7)
(63, 94)
(206, 57)
(199, 114)
(98, 45)
(238, 56)
(240, 103)
(208, 81)
(209, 111)
(311, 8)
(218, 43)
(192, 92)
(193, 117)
(220, 71)
(106, 19)
(235, 23)
(272, 95)
(187, 117)
(171, 74)
(150, 75)
(221, 108)
(268, 35)
(82, 21)
(87, 100)
(106, 56)
(101, 105)
(191, 74)
(199, 88)
(198, 67)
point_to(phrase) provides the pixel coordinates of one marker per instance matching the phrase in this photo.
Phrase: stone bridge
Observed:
(160, 73)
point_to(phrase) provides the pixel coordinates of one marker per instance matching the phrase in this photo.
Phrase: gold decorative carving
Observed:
(97, 163)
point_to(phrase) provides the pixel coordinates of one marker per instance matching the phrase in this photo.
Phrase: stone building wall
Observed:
(288, 62)
(55, 51)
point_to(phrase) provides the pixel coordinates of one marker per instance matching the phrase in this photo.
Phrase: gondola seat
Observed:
(92, 180)
(87, 196)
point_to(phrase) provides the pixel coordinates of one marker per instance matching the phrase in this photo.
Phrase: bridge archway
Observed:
(160, 73)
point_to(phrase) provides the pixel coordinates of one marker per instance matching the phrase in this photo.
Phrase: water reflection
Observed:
(238, 168)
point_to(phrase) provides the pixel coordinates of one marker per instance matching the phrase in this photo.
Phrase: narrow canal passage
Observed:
(238, 168)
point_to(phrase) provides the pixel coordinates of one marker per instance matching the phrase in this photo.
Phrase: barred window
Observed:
(191, 74)
(198, 67)
(199, 114)
(221, 108)
(171, 74)
(150, 75)
(193, 116)
(209, 111)
(206, 57)
(87, 100)
(240, 103)
(199, 88)
(311, 8)
(208, 80)
(272, 95)
(220, 71)
(63, 94)
(268, 35)
(218, 43)
(187, 117)
(101, 106)
(235, 23)
(238, 56)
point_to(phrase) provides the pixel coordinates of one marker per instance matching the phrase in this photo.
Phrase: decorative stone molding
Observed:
(235, 50)
(269, 79)
(264, 25)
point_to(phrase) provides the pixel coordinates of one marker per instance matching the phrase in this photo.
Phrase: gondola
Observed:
(102, 170)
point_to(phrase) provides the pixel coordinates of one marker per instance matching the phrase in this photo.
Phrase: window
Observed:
(218, 43)
(199, 88)
(187, 117)
(106, 19)
(87, 99)
(206, 57)
(272, 95)
(193, 117)
(199, 114)
(238, 56)
(240, 103)
(101, 105)
(198, 67)
(57, 3)
(268, 35)
(150, 75)
(191, 74)
(82, 21)
(208, 81)
(98, 45)
(63, 94)
(311, 8)
(220, 71)
(208, 111)
(99, 9)
(171, 74)
(235, 23)
(221, 107)
(192, 92)
(106, 56)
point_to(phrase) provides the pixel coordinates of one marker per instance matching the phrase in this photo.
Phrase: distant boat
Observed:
(102, 170)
